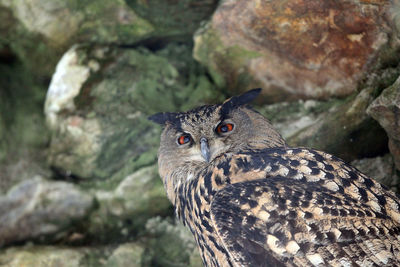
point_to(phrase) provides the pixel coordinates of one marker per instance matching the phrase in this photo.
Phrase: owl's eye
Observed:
(184, 139)
(224, 128)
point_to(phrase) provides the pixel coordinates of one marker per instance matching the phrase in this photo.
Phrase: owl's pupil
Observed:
(224, 128)
(183, 139)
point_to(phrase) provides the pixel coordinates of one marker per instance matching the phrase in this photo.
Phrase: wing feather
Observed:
(278, 221)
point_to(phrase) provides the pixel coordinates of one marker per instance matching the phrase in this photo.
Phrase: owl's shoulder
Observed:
(311, 168)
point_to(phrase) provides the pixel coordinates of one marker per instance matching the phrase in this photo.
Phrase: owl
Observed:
(249, 199)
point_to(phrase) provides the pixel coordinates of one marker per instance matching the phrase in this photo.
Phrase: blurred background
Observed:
(79, 184)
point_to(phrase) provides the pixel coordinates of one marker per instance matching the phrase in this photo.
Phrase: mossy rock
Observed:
(100, 126)
(170, 244)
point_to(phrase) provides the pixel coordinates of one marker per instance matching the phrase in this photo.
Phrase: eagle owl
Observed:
(251, 200)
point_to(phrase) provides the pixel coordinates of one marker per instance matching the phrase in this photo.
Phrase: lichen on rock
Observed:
(99, 119)
(296, 49)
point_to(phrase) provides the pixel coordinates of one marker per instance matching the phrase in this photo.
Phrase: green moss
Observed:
(122, 213)
(102, 25)
(223, 62)
(183, 17)
(169, 244)
(37, 56)
(22, 121)
(127, 90)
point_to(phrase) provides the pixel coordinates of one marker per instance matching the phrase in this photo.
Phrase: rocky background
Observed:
(78, 176)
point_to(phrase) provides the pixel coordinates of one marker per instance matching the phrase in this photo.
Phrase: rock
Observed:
(385, 110)
(298, 49)
(344, 129)
(123, 212)
(63, 22)
(339, 127)
(46, 256)
(23, 132)
(184, 16)
(37, 208)
(171, 244)
(126, 255)
(291, 117)
(99, 99)
(382, 169)
(37, 56)
(120, 255)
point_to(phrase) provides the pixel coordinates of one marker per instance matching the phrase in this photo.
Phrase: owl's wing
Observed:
(284, 222)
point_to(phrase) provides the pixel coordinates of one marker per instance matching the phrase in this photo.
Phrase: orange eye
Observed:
(184, 139)
(224, 128)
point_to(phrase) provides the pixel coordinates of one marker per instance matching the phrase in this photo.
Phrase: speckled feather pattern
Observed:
(290, 207)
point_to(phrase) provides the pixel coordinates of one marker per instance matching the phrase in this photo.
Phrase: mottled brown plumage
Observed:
(250, 200)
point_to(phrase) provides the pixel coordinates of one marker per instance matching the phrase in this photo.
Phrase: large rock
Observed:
(385, 109)
(129, 254)
(38, 56)
(174, 19)
(38, 208)
(39, 31)
(344, 130)
(122, 255)
(99, 99)
(63, 22)
(171, 245)
(306, 49)
(23, 132)
(41, 257)
(122, 212)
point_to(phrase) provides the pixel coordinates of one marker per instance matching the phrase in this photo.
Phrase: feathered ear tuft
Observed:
(163, 117)
(240, 100)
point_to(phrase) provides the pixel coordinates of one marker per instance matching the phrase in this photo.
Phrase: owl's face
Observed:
(203, 134)
(199, 136)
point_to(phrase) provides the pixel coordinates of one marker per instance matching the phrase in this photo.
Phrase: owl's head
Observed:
(199, 136)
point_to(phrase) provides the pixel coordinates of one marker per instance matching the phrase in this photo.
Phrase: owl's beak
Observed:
(205, 149)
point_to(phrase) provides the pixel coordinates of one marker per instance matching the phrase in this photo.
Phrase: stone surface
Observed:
(99, 99)
(126, 255)
(339, 126)
(62, 22)
(381, 169)
(38, 32)
(37, 56)
(184, 16)
(291, 117)
(23, 132)
(41, 257)
(38, 208)
(122, 212)
(385, 109)
(171, 244)
(345, 130)
(306, 49)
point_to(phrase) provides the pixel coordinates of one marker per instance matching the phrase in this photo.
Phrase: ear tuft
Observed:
(162, 117)
(240, 100)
